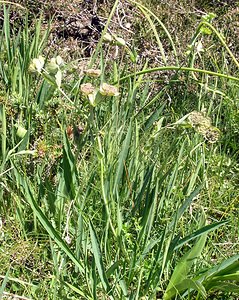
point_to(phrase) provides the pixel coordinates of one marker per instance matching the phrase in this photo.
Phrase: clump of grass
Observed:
(115, 179)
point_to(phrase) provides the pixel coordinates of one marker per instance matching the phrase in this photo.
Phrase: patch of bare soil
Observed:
(77, 24)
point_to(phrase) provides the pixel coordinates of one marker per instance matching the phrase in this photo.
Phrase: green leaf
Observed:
(199, 232)
(3, 132)
(232, 276)
(112, 268)
(227, 266)
(189, 284)
(185, 205)
(233, 267)
(98, 258)
(69, 168)
(183, 267)
(77, 290)
(28, 193)
(225, 287)
(123, 286)
(4, 283)
(122, 157)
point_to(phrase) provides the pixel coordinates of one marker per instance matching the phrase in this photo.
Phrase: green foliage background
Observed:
(132, 196)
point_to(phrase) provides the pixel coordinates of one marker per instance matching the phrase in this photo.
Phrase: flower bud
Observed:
(37, 64)
(119, 41)
(59, 60)
(21, 132)
(107, 38)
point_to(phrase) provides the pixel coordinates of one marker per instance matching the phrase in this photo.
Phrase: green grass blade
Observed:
(233, 267)
(6, 27)
(122, 158)
(226, 287)
(28, 193)
(4, 283)
(77, 290)
(185, 205)
(189, 284)
(227, 264)
(231, 276)
(199, 232)
(3, 131)
(69, 168)
(98, 258)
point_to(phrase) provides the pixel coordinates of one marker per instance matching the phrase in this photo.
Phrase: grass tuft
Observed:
(119, 180)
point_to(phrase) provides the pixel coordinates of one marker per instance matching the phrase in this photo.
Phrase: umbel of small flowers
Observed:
(203, 125)
(94, 94)
(109, 90)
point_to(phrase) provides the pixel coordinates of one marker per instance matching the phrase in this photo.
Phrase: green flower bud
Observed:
(119, 41)
(107, 38)
(21, 132)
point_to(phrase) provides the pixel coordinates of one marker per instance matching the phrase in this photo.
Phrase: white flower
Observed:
(37, 64)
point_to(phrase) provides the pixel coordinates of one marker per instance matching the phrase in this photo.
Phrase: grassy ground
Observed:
(127, 190)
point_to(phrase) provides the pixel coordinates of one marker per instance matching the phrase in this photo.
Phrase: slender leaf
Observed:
(98, 258)
(183, 267)
(4, 283)
(199, 232)
(28, 193)
(122, 157)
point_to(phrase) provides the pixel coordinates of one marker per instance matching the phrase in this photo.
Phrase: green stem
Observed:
(9, 2)
(103, 33)
(221, 40)
(175, 68)
(145, 9)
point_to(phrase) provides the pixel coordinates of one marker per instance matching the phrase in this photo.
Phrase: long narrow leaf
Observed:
(28, 193)
(98, 258)
(185, 205)
(183, 267)
(220, 268)
(4, 283)
(122, 158)
(199, 232)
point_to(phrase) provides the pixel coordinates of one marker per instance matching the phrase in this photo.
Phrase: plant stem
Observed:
(175, 68)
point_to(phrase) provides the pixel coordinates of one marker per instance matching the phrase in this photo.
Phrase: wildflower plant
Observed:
(104, 178)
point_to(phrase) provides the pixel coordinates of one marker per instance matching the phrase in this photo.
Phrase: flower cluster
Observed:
(203, 125)
(50, 70)
(114, 40)
(95, 94)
